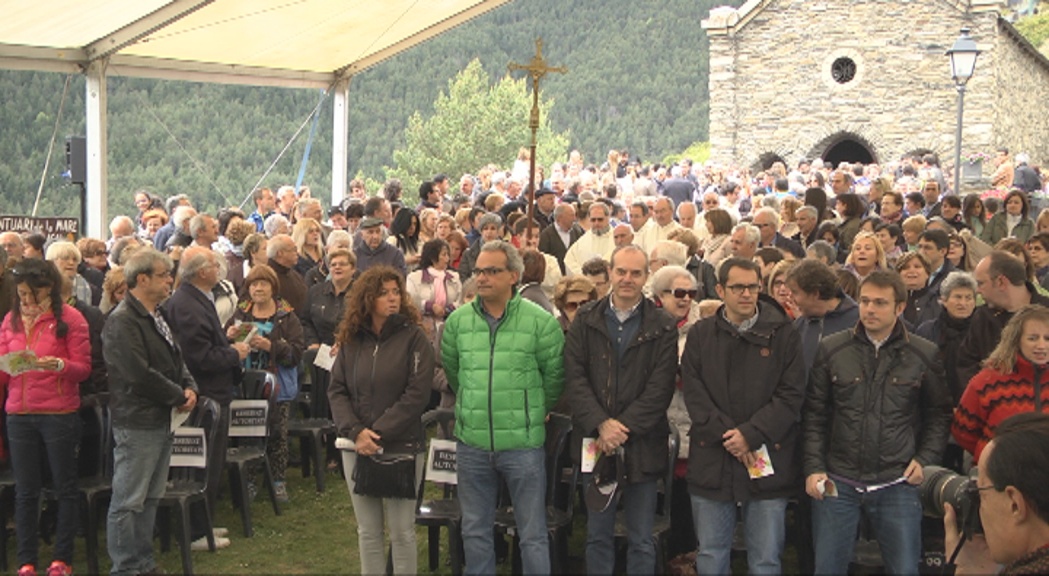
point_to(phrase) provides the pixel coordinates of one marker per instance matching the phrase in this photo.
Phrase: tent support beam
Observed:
(340, 140)
(95, 99)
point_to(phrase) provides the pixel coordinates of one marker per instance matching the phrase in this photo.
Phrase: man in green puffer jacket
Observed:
(503, 358)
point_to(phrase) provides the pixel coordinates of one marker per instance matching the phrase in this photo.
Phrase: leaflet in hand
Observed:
(18, 362)
(762, 465)
(245, 331)
(324, 358)
(178, 418)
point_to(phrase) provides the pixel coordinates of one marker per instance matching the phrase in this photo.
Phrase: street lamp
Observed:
(963, 61)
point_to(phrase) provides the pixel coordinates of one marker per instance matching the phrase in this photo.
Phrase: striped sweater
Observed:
(992, 397)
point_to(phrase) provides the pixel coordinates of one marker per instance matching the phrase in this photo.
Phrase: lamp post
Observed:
(963, 61)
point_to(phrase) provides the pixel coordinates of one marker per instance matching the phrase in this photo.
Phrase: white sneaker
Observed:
(220, 532)
(201, 544)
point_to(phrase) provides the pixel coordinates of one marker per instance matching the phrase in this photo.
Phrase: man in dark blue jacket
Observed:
(213, 361)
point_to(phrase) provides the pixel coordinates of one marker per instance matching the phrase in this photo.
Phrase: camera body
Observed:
(943, 486)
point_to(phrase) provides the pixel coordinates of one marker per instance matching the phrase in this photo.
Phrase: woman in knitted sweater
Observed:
(1015, 379)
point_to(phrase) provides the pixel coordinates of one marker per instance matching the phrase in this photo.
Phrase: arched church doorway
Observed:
(848, 150)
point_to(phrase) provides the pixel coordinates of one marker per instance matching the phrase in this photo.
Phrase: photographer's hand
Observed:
(974, 557)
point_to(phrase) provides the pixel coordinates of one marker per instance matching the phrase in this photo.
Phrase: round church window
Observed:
(843, 70)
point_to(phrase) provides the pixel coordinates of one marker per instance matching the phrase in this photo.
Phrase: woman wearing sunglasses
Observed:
(674, 289)
(571, 293)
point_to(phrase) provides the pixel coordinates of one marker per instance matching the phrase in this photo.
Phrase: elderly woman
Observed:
(325, 301)
(1014, 221)
(865, 256)
(776, 286)
(114, 288)
(1017, 370)
(337, 239)
(152, 220)
(43, 428)
(307, 237)
(66, 258)
(922, 304)
(380, 385)
(276, 224)
(571, 293)
(674, 289)
(276, 348)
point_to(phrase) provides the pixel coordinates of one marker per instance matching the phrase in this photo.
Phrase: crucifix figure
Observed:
(536, 68)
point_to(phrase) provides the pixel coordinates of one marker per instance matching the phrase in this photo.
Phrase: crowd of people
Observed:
(821, 334)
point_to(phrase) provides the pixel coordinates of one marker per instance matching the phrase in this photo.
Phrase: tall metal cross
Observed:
(536, 68)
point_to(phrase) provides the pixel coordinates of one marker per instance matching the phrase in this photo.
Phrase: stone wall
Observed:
(1021, 121)
(772, 90)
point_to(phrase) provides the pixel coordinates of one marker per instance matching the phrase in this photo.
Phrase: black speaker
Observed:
(76, 159)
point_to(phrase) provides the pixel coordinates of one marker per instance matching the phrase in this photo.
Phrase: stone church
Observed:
(868, 80)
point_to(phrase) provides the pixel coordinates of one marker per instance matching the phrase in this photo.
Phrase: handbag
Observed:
(385, 476)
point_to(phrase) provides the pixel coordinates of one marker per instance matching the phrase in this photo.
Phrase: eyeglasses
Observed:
(779, 284)
(739, 289)
(573, 306)
(164, 274)
(681, 293)
(490, 271)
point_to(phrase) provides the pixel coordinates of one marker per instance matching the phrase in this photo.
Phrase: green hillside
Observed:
(637, 79)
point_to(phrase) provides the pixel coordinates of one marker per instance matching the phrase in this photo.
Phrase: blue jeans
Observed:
(524, 472)
(140, 475)
(764, 531)
(639, 509)
(59, 435)
(895, 514)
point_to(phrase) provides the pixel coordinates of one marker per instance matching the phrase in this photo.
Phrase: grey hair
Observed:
(1022, 158)
(274, 222)
(63, 249)
(198, 259)
(278, 243)
(181, 214)
(560, 209)
(674, 252)
(142, 262)
(666, 275)
(514, 263)
(751, 232)
(284, 190)
(769, 211)
(338, 236)
(770, 201)
(489, 219)
(602, 206)
(117, 221)
(196, 224)
(810, 210)
(683, 204)
(957, 280)
(823, 250)
(498, 178)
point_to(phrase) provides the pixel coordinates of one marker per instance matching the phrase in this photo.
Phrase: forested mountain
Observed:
(637, 79)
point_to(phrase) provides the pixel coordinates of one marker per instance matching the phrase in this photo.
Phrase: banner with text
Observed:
(60, 228)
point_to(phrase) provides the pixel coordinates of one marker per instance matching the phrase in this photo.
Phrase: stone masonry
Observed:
(772, 91)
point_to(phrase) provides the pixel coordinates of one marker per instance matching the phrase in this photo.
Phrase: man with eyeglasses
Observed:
(597, 242)
(147, 377)
(502, 356)
(620, 368)
(1014, 505)
(877, 411)
(767, 221)
(743, 379)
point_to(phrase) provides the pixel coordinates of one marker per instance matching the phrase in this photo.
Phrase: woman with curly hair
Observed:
(380, 385)
(43, 427)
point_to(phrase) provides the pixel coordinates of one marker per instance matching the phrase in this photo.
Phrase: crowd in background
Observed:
(798, 278)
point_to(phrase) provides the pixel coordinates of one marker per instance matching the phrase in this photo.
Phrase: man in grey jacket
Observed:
(147, 377)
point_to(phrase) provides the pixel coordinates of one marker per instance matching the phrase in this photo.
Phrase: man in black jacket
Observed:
(620, 367)
(877, 412)
(743, 378)
(147, 377)
(213, 361)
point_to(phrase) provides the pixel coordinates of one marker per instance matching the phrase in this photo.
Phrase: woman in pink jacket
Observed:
(42, 401)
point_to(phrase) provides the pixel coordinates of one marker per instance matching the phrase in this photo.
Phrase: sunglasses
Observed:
(681, 293)
(572, 306)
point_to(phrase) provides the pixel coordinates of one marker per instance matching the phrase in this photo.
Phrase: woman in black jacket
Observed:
(379, 388)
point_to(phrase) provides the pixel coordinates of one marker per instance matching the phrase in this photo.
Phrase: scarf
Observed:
(440, 295)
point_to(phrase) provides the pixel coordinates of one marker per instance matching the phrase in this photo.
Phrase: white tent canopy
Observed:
(291, 43)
